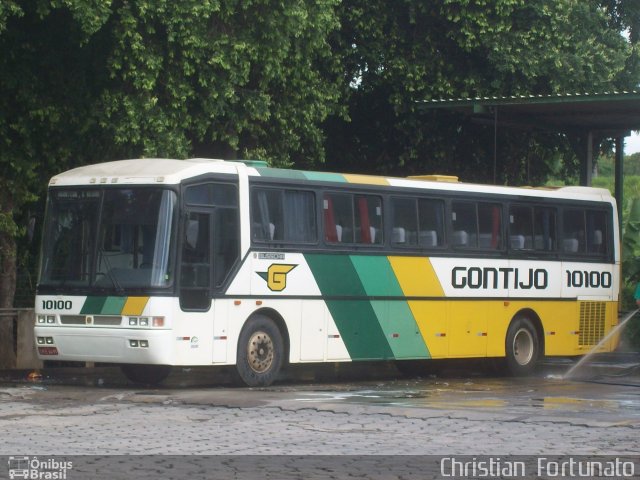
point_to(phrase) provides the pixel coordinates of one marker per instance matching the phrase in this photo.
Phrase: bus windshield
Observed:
(111, 238)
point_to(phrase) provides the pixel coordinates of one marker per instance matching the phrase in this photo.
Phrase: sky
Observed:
(632, 144)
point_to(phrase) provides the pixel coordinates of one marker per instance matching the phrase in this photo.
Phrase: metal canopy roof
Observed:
(609, 114)
(581, 116)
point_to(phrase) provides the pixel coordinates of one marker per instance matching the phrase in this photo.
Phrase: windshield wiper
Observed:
(109, 274)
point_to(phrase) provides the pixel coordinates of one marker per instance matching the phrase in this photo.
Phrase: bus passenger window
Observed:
(368, 217)
(597, 232)
(338, 218)
(465, 225)
(544, 229)
(573, 232)
(431, 223)
(520, 228)
(405, 221)
(266, 214)
(489, 226)
(299, 216)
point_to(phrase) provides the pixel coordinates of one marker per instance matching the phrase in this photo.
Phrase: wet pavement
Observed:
(348, 410)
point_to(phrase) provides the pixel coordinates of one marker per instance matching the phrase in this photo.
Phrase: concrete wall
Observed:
(26, 356)
(17, 345)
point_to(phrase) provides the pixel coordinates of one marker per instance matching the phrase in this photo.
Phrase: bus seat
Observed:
(398, 235)
(517, 242)
(428, 238)
(538, 242)
(597, 238)
(339, 232)
(570, 245)
(484, 240)
(460, 238)
(373, 231)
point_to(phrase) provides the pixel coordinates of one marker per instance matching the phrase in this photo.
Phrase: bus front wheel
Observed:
(522, 347)
(260, 352)
(145, 374)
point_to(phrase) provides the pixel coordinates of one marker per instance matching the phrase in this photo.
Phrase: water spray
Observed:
(591, 352)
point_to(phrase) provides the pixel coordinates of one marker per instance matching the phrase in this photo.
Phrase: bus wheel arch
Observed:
(524, 343)
(263, 348)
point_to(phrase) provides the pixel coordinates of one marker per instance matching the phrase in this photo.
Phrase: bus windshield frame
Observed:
(109, 239)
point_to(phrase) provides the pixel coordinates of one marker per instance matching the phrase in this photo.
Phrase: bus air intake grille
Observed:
(592, 320)
(106, 320)
(72, 319)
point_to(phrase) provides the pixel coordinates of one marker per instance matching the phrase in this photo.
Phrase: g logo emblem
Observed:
(276, 276)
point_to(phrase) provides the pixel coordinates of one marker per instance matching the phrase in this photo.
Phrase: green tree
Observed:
(416, 51)
(86, 81)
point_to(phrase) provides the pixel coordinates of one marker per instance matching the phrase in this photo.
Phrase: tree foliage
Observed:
(90, 80)
(290, 81)
(419, 51)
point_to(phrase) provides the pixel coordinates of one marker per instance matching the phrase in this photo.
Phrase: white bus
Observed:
(156, 263)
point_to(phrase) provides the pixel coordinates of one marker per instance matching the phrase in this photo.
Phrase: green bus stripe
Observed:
(356, 320)
(93, 305)
(325, 177)
(281, 173)
(113, 305)
(103, 305)
(395, 317)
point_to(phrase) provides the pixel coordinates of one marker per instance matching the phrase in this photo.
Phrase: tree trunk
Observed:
(7, 286)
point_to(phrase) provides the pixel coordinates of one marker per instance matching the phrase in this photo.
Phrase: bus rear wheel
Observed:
(260, 352)
(146, 374)
(522, 347)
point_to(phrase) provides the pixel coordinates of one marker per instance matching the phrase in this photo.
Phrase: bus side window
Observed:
(597, 232)
(338, 217)
(573, 232)
(299, 216)
(544, 228)
(430, 222)
(404, 231)
(266, 214)
(489, 226)
(465, 225)
(520, 228)
(368, 219)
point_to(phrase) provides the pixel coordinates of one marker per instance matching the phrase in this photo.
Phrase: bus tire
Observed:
(522, 347)
(260, 352)
(145, 374)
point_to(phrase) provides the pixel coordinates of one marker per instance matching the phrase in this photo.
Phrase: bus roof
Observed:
(159, 171)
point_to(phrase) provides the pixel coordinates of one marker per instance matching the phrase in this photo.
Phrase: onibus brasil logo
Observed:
(41, 469)
(276, 276)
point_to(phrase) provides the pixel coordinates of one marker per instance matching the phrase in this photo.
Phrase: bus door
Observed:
(210, 250)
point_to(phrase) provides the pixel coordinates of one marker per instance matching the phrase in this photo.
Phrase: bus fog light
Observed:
(133, 343)
(144, 343)
(158, 322)
(144, 322)
(49, 340)
(40, 340)
(133, 321)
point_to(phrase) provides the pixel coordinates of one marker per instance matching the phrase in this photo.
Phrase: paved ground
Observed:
(79, 412)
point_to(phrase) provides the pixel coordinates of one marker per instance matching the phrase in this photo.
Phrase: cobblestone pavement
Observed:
(380, 417)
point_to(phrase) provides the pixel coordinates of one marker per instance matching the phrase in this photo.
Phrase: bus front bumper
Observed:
(113, 345)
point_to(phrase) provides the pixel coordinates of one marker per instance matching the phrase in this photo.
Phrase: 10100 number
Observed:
(589, 279)
(57, 304)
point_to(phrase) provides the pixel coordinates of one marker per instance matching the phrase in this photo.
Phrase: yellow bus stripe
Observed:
(134, 305)
(416, 277)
